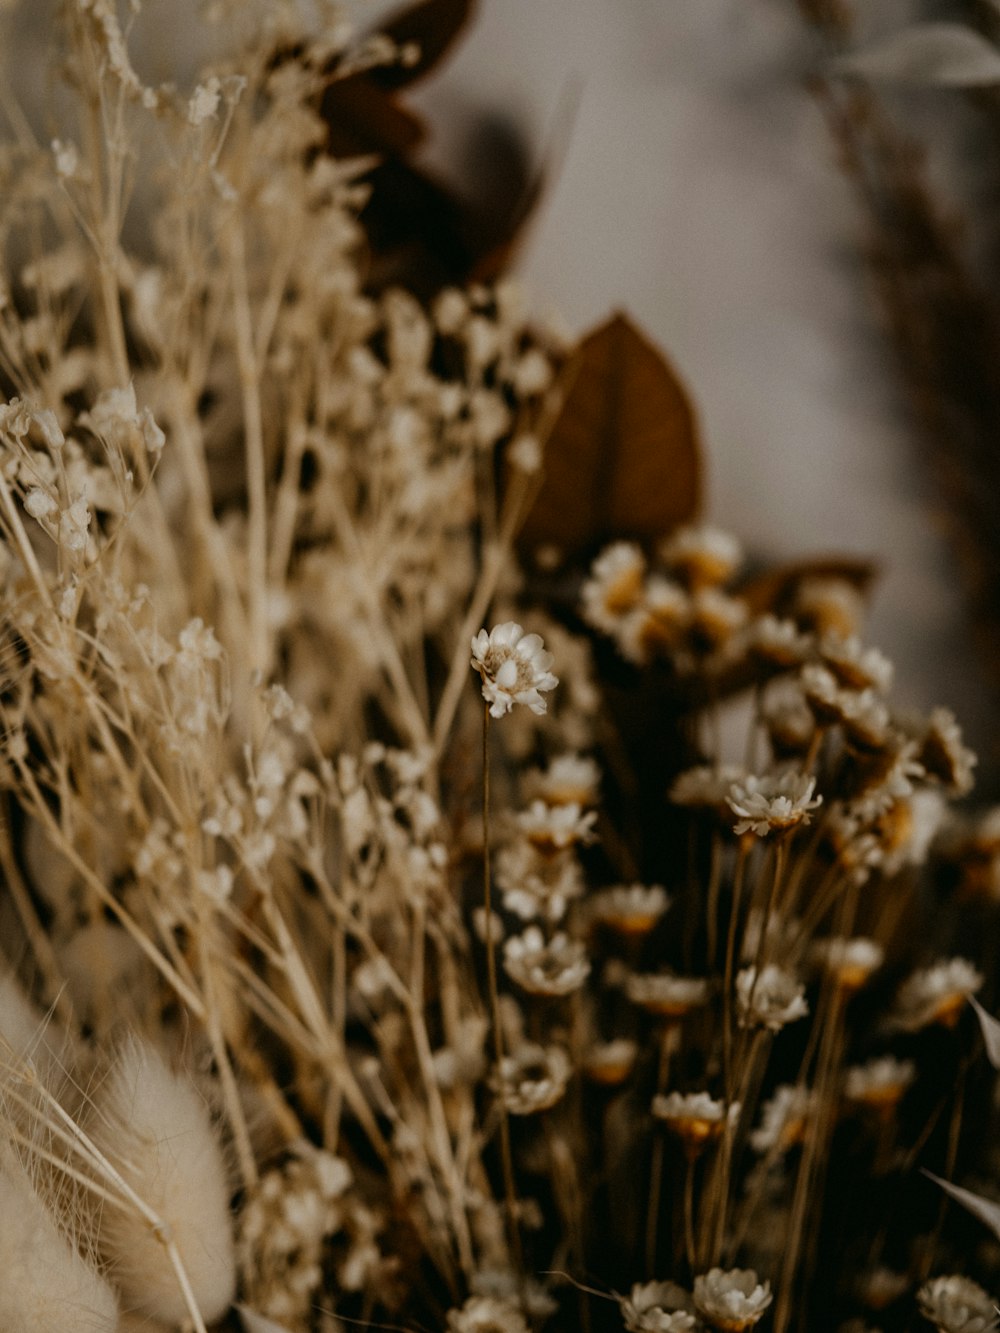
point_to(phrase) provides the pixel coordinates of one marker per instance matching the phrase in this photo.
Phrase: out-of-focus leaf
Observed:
(986, 1210)
(943, 54)
(432, 26)
(774, 590)
(258, 1323)
(622, 459)
(991, 1032)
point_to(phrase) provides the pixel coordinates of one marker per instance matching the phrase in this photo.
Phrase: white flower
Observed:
(695, 1117)
(705, 555)
(514, 668)
(533, 1078)
(774, 802)
(731, 1300)
(666, 995)
(778, 642)
(771, 1001)
(568, 778)
(533, 884)
(936, 994)
(552, 828)
(545, 967)
(854, 666)
(630, 909)
(610, 1062)
(657, 1307)
(784, 1119)
(850, 961)
(944, 756)
(957, 1305)
(879, 1083)
(614, 587)
(486, 1314)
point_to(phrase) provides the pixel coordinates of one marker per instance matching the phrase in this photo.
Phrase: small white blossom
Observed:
(936, 994)
(557, 966)
(514, 668)
(957, 1305)
(773, 803)
(657, 1307)
(731, 1300)
(770, 1001)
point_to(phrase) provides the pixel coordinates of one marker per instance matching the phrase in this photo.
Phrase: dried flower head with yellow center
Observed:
(936, 994)
(957, 1305)
(880, 1083)
(774, 803)
(614, 587)
(695, 1118)
(630, 909)
(769, 1000)
(703, 556)
(731, 1300)
(657, 1307)
(666, 995)
(552, 967)
(514, 668)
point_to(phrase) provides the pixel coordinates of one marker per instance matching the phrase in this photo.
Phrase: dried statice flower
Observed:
(957, 1305)
(665, 994)
(533, 1078)
(731, 1300)
(614, 586)
(935, 994)
(771, 1000)
(774, 803)
(486, 1314)
(784, 1119)
(657, 1307)
(879, 1083)
(696, 1118)
(630, 909)
(702, 555)
(514, 668)
(154, 1129)
(558, 966)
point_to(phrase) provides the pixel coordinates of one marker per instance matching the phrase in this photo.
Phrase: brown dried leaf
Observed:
(623, 458)
(433, 26)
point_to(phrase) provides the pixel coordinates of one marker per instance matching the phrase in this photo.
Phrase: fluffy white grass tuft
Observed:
(156, 1131)
(43, 1279)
